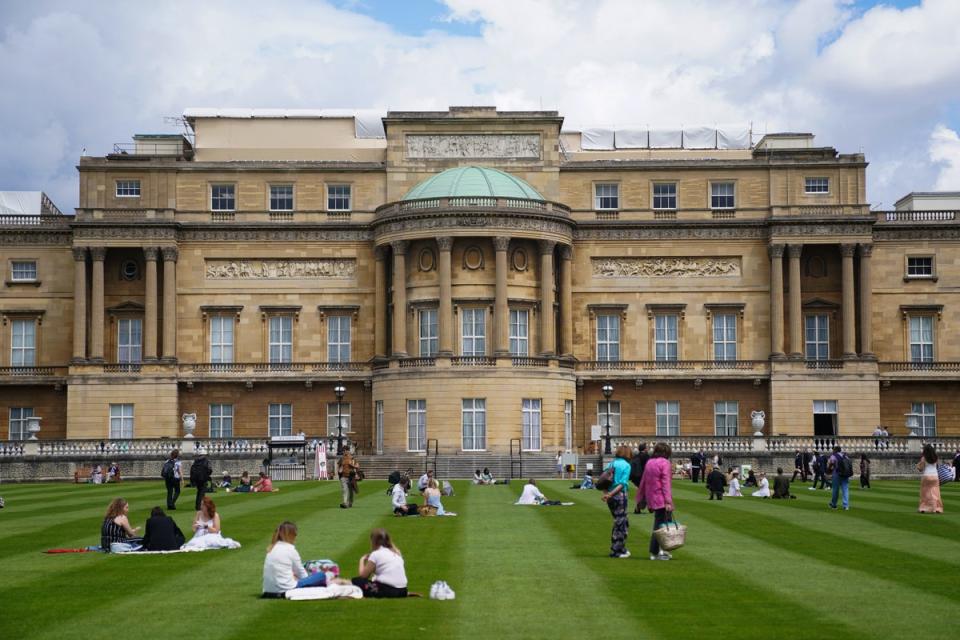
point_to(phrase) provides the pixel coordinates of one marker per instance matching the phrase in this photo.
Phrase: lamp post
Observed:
(339, 390)
(607, 390)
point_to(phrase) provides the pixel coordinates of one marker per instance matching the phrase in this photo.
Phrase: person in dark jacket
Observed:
(716, 481)
(781, 486)
(162, 533)
(637, 464)
(956, 466)
(864, 471)
(798, 467)
(697, 462)
(200, 473)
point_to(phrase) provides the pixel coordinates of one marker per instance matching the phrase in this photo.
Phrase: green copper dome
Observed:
(473, 182)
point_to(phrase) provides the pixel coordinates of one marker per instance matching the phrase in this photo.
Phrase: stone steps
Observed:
(462, 465)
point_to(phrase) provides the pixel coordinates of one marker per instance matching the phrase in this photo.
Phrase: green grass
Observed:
(751, 569)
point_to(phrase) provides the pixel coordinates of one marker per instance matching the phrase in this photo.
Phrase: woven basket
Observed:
(671, 535)
(427, 511)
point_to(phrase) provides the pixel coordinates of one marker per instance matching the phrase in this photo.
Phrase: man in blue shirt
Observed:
(842, 469)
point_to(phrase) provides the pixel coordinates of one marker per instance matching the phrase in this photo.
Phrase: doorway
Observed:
(824, 418)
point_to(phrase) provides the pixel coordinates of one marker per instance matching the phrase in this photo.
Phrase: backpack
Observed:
(845, 466)
(166, 472)
(200, 472)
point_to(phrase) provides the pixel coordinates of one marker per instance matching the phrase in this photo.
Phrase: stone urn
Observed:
(33, 426)
(758, 419)
(189, 424)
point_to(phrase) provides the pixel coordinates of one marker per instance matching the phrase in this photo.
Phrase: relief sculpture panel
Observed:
(666, 267)
(280, 269)
(526, 146)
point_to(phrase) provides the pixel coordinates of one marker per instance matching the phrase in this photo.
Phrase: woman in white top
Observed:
(431, 498)
(531, 494)
(734, 490)
(206, 530)
(930, 501)
(382, 573)
(398, 498)
(283, 569)
(764, 487)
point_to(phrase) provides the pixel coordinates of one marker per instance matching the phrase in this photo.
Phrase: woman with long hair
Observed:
(116, 534)
(282, 569)
(385, 564)
(657, 495)
(616, 499)
(207, 532)
(930, 501)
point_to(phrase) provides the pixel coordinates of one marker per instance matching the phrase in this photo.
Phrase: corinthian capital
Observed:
(501, 243)
(445, 243)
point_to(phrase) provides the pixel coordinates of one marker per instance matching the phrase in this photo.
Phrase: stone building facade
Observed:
(474, 277)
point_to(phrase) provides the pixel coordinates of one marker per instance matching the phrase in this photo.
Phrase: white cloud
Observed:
(945, 152)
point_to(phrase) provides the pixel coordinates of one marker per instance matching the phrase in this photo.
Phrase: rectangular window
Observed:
(919, 266)
(338, 197)
(666, 338)
(378, 418)
(725, 417)
(606, 196)
(281, 197)
(128, 188)
(567, 424)
(344, 418)
(921, 338)
(926, 415)
(721, 195)
(530, 432)
(816, 185)
(24, 271)
(474, 332)
(281, 339)
(824, 406)
(474, 422)
(613, 406)
(221, 339)
(223, 197)
(817, 336)
(519, 332)
(338, 338)
(416, 425)
(129, 340)
(665, 195)
(23, 349)
(429, 341)
(725, 336)
(121, 421)
(608, 338)
(221, 420)
(668, 417)
(280, 419)
(18, 422)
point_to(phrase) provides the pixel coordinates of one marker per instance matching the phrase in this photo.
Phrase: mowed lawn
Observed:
(751, 569)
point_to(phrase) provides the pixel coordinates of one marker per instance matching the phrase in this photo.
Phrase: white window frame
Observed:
(277, 199)
(221, 338)
(338, 344)
(606, 196)
(221, 420)
(668, 418)
(920, 329)
(819, 340)
(279, 419)
(723, 195)
(531, 426)
(416, 425)
(280, 348)
(336, 199)
(121, 421)
(23, 271)
(23, 342)
(665, 347)
(519, 332)
(346, 418)
(920, 271)
(608, 337)
(129, 188)
(726, 418)
(615, 417)
(473, 415)
(473, 331)
(429, 333)
(219, 200)
(926, 414)
(661, 201)
(129, 350)
(568, 424)
(816, 185)
(826, 406)
(19, 421)
(725, 336)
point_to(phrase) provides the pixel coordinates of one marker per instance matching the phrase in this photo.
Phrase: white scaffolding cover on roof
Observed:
(367, 122)
(19, 203)
(632, 138)
(736, 136)
(596, 139)
(666, 138)
(699, 138)
(733, 136)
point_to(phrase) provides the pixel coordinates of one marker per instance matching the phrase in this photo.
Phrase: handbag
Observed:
(944, 473)
(671, 535)
(605, 481)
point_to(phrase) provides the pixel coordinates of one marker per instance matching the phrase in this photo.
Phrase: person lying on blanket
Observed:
(282, 568)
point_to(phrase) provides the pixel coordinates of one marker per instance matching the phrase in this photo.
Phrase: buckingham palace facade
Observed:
(476, 278)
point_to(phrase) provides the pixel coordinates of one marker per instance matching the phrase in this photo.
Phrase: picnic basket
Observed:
(671, 535)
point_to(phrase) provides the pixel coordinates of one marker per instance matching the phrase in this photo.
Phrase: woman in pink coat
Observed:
(655, 494)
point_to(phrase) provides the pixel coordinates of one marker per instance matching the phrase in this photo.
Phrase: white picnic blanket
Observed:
(204, 541)
(325, 593)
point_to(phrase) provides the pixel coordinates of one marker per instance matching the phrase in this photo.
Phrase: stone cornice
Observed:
(705, 163)
(917, 232)
(483, 224)
(99, 164)
(274, 233)
(59, 237)
(670, 231)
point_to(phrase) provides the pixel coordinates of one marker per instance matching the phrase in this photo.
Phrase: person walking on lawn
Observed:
(656, 494)
(716, 481)
(637, 463)
(840, 466)
(697, 462)
(200, 473)
(172, 476)
(616, 499)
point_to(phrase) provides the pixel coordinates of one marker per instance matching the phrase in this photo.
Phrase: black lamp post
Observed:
(339, 390)
(607, 392)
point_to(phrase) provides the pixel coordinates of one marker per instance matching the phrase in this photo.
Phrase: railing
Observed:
(27, 220)
(418, 362)
(665, 215)
(473, 361)
(11, 449)
(428, 460)
(821, 210)
(824, 364)
(472, 202)
(31, 371)
(274, 367)
(231, 445)
(723, 214)
(77, 448)
(530, 362)
(338, 215)
(689, 444)
(281, 216)
(916, 216)
(607, 215)
(172, 148)
(123, 367)
(919, 366)
(634, 365)
(787, 445)
(516, 458)
(223, 216)
(790, 444)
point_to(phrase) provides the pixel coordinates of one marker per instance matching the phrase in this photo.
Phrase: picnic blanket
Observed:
(325, 593)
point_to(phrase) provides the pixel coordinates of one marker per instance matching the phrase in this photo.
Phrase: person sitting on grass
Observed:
(282, 568)
(207, 531)
(382, 572)
(162, 533)
(487, 477)
(781, 486)
(431, 498)
(751, 480)
(734, 491)
(477, 478)
(264, 484)
(715, 483)
(226, 482)
(116, 534)
(532, 495)
(398, 497)
(764, 487)
(244, 486)
(586, 483)
(113, 473)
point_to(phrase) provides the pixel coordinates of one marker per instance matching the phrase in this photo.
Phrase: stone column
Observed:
(547, 324)
(98, 255)
(150, 305)
(380, 302)
(79, 304)
(796, 306)
(501, 308)
(445, 310)
(170, 255)
(866, 302)
(399, 298)
(566, 300)
(848, 299)
(776, 300)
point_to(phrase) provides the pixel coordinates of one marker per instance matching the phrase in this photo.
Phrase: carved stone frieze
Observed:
(825, 229)
(512, 223)
(22, 237)
(274, 234)
(525, 146)
(917, 233)
(318, 268)
(666, 267)
(125, 233)
(672, 233)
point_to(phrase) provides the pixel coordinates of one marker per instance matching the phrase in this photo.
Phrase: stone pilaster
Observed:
(150, 254)
(796, 301)
(866, 302)
(848, 301)
(501, 310)
(170, 255)
(79, 304)
(547, 322)
(399, 298)
(776, 300)
(566, 300)
(380, 302)
(445, 310)
(97, 255)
